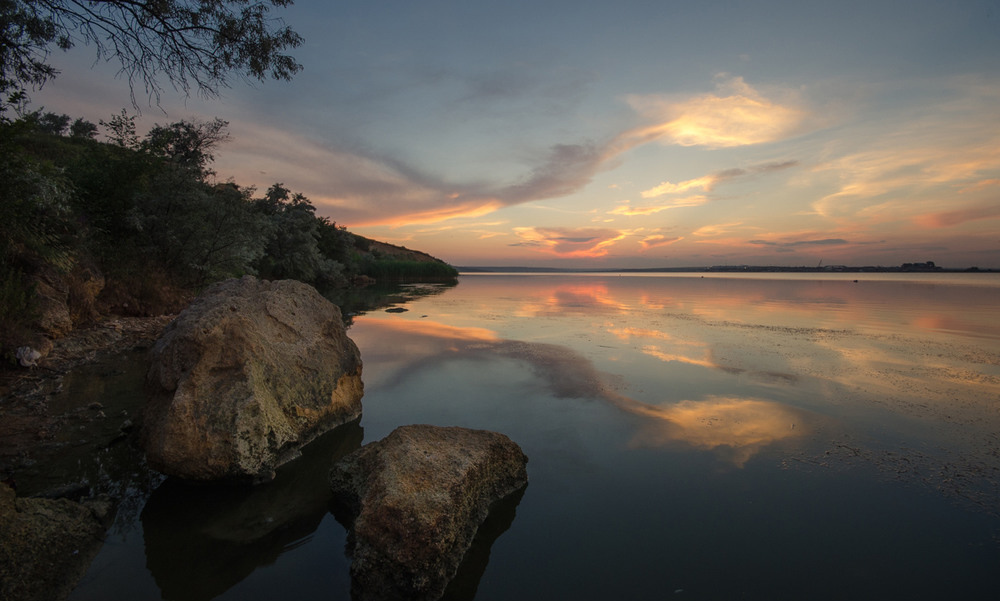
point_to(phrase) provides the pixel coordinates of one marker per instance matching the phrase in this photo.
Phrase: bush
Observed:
(398, 270)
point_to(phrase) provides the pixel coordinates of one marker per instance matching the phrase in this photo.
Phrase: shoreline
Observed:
(31, 429)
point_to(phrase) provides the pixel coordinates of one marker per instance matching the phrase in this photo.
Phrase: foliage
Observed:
(83, 130)
(293, 250)
(337, 244)
(198, 232)
(388, 269)
(146, 213)
(34, 205)
(121, 130)
(194, 44)
(187, 144)
(36, 232)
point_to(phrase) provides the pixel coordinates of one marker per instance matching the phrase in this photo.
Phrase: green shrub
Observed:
(397, 270)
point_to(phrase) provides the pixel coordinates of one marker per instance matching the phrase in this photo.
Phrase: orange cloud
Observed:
(951, 218)
(908, 165)
(705, 183)
(569, 242)
(676, 203)
(708, 182)
(468, 209)
(981, 185)
(736, 115)
(716, 230)
(361, 189)
(658, 241)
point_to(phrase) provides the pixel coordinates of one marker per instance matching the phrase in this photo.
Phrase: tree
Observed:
(53, 124)
(187, 144)
(83, 129)
(194, 44)
(292, 249)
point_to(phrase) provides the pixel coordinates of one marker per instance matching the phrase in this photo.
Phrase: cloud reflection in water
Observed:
(736, 428)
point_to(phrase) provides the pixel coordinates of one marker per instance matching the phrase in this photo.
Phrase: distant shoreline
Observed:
(727, 269)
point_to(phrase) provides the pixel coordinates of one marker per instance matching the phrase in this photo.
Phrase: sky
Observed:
(625, 134)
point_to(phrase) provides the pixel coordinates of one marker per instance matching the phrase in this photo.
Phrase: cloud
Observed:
(687, 201)
(359, 187)
(735, 115)
(981, 185)
(565, 169)
(894, 169)
(657, 241)
(957, 217)
(705, 183)
(717, 229)
(569, 242)
(800, 243)
(708, 182)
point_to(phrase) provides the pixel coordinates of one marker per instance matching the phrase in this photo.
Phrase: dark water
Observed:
(689, 438)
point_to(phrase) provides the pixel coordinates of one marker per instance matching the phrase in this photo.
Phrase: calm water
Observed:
(689, 438)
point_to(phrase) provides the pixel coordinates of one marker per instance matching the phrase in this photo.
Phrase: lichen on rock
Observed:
(245, 376)
(415, 500)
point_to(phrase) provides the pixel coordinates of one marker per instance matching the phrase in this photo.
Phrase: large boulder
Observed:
(250, 372)
(415, 500)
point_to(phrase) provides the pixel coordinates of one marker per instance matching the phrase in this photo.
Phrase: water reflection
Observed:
(737, 428)
(808, 302)
(464, 585)
(355, 301)
(203, 539)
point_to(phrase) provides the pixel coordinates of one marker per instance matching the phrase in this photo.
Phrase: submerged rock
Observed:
(244, 377)
(416, 499)
(46, 545)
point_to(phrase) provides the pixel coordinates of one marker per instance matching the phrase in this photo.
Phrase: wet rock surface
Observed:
(74, 405)
(202, 539)
(250, 372)
(46, 544)
(414, 502)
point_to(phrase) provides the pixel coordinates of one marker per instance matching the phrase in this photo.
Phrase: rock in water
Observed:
(417, 498)
(244, 377)
(46, 545)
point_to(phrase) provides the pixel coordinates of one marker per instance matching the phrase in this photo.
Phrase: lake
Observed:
(717, 436)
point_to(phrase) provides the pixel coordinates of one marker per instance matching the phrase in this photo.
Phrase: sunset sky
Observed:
(634, 133)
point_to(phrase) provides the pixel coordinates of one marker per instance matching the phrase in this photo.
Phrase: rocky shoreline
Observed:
(28, 423)
(271, 366)
(49, 536)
